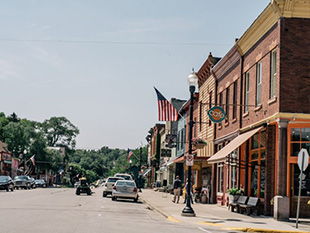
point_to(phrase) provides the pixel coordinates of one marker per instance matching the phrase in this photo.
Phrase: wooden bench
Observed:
(241, 201)
(252, 204)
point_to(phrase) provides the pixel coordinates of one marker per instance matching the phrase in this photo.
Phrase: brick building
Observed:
(263, 85)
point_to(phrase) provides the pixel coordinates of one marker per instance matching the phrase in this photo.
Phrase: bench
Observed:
(241, 201)
(252, 204)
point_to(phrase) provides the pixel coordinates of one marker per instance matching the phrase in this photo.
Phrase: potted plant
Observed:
(234, 194)
(199, 143)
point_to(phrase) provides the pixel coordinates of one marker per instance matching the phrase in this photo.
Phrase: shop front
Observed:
(6, 164)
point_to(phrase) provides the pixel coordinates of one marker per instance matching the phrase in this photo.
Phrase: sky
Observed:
(96, 61)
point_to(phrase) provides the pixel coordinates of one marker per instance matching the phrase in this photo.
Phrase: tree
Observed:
(59, 131)
(3, 122)
(18, 136)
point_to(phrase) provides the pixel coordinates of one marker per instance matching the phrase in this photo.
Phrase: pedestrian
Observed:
(177, 185)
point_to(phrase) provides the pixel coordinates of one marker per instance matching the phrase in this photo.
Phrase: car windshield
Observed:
(4, 178)
(21, 178)
(126, 177)
(113, 179)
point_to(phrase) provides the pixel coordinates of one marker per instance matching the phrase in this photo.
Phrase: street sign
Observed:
(303, 159)
(189, 160)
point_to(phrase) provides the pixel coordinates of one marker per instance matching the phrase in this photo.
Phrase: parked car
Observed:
(40, 183)
(22, 182)
(108, 185)
(126, 189)
(32, 182)
(6, 183)
(125, 176)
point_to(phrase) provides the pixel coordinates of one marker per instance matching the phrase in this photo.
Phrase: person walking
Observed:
(177, 185)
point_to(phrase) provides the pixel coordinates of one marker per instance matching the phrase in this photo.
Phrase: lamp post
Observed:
(140, 165)
(192, 82)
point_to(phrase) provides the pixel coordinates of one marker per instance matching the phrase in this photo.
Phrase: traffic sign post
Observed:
(303, 162)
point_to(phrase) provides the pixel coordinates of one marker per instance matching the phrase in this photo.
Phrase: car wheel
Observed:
(12, 189)
(104, 194)
(135, 199)
(77, 192)
(88, 192)
(7, 189)
(113, 198)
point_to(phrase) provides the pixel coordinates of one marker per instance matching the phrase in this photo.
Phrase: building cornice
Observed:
(270, 16)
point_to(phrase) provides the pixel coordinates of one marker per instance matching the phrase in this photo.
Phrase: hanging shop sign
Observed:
(216, 114)
(189, 160)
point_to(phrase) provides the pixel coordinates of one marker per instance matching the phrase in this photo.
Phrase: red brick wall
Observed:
(261, 52)
(295, 65)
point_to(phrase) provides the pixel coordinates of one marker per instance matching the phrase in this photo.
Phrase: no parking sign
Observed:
(189, 160)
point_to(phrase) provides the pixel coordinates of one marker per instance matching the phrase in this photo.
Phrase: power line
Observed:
(111, 42)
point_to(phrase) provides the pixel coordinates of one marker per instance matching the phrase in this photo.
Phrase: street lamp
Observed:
(140, 165)
(192, 82)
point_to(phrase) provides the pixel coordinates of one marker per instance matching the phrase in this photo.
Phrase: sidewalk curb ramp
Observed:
(250, 229)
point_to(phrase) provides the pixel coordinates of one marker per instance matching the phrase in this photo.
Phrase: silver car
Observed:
(126, 189)
(108, 185)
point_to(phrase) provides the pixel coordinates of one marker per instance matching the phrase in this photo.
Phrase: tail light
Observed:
(114, 187)
(135, 189)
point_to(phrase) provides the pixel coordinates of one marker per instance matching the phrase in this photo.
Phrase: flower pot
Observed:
(199, 145)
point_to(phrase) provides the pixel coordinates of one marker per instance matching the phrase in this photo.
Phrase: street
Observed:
(53, 210)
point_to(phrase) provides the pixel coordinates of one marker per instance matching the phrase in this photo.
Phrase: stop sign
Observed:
(303, 159)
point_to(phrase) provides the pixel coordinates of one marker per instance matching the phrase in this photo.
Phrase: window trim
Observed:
(259, 74)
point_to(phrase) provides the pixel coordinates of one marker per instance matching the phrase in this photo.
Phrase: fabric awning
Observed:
(146, 172)
(220, 156)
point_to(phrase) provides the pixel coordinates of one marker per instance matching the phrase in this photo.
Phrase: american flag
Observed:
(166, 112)
(130, 153)
(33, 160)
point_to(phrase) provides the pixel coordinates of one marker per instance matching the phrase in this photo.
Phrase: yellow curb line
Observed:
(249, 229)
(211, 224)
(172, 219)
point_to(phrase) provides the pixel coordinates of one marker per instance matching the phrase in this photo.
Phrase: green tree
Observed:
(59, 131)
(18, 136)
(3, 122)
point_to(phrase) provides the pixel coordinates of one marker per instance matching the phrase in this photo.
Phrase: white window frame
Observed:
(259, 71)
(246, 92)
(273, 73)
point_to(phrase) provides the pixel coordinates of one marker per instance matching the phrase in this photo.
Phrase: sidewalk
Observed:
(217, 216)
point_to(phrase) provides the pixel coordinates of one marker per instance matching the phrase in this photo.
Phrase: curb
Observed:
(250, 229)
(155, 208)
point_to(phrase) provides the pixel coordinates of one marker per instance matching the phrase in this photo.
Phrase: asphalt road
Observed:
(57, 210)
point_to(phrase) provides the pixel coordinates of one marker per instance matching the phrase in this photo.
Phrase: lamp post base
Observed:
(188, 212)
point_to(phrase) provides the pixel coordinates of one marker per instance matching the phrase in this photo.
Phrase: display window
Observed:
(257, 165)
(298, 138)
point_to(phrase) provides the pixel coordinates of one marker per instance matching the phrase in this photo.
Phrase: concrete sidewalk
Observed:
(217, 216)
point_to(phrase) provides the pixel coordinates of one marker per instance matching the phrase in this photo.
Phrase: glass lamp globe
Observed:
(192, 79)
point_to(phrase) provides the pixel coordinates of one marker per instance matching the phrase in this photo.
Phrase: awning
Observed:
(179, 159)
(146, 172)
(230, 147)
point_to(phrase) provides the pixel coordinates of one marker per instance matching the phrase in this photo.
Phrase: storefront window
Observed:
(220, 178)
(254, 141)
(300, 138)
(254, 179)
(305, 134)
(295, 134)
(257, 161)
(233, 170)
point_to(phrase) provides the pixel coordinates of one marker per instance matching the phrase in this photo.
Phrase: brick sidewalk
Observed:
(217, 216)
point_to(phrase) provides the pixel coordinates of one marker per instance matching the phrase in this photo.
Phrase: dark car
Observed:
(22, 182)
(40, 183)
(83, 187)
(6, 183)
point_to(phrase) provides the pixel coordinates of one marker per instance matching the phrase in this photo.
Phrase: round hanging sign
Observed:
(216, 114)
